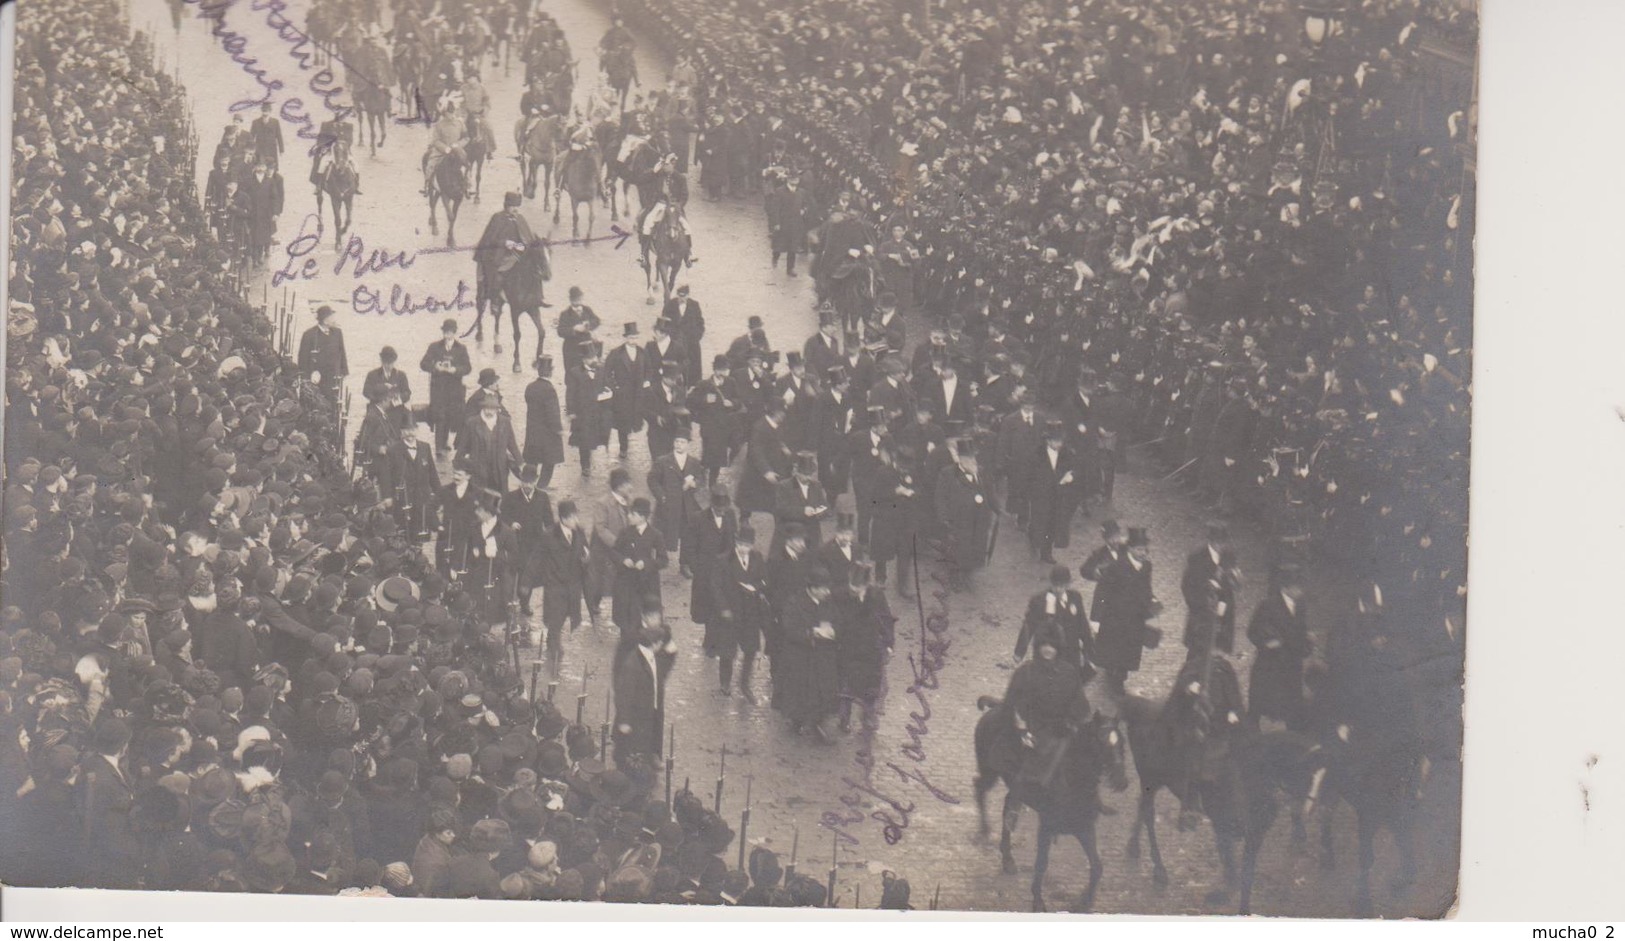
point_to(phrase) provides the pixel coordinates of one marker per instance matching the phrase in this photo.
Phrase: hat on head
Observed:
(323, 312)
(450, 323)
(753, 323)
(807, 463)
(488, 377)
(630, 329)
(544, 365)
(720, 361)
(640, 506)
(491, 835)
(511, 200)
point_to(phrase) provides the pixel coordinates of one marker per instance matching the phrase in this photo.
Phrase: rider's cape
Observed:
(503, 231)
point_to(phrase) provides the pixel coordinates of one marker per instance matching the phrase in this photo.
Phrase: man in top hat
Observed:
(576, 325)
(266, 132)
(898, 260)
(589, 402)
(544, 427)
(863, 450)
(1113, 419)
(768, 463)
(629, 373)
(1209, 586)
(968, 511)
(1044, 700)
(528, 512)
(709, 536)
(754, 338)
(893, 391)
(668, 353)
(505, 238)
(801, 499)
(1053, 493)
(712, 405)
(487, 441)
(800, 394)
(952, 398)
(675, 482)
(808, 645)
(739, 609)
(1113, 540)
(321, 353)
(413, 483)
(562, 573)
(1020, 444)
(823, 349)
(664, 407)
(641, 671)
(1123, 604)
(841, 554)
(684, 312)
(1279, 632)
(837, 419)
(447, 362)
(373, 440)
(394, 388)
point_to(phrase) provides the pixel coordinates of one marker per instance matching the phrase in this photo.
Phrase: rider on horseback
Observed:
(449, 134)
(673, 196)
(476, 103)
(616, 39)
(1205, 715)
(506, 236)
(334, 133)
(1046, 702)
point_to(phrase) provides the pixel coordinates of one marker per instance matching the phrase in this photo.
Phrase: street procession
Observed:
(846, 454)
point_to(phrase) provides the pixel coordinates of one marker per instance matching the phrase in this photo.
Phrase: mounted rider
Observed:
(335, 133)
(449, 134)
(506, 237)
(673, 197)
(616, 39)
(1046, 702)
(1205, 716)
(476, 105)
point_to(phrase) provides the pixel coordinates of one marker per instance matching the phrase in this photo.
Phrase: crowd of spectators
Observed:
(221, 666)
(1265, 244)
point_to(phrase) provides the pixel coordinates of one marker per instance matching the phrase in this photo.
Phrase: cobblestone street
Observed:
(903, 793)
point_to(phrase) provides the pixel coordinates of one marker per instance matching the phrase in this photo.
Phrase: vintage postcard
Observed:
(870, 454)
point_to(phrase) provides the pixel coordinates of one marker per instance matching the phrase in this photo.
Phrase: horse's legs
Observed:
(1087, 839)
(434, 227)
(1040, 865)
(575, 216)
(1146, 807)
(1007, 825)
(1367, 829)
(1227, 857)
(1159, 873)
(981, 785)
(1249, 868)
(1328, 807)
(451, 222)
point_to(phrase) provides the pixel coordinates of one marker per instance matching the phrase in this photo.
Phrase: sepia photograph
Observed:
(935, 455)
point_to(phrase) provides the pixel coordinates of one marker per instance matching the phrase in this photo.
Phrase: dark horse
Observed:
(340, 183)
(665, 251)
(633, 162)
(1239, 797)
(520, 287)
(1066, 792)
(478, 147)
(448, 186)
(539, 141)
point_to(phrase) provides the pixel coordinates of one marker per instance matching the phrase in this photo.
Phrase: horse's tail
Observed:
(984, 703)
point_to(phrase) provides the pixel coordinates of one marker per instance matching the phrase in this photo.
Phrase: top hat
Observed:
(511, 200)
(792, 359)
(630, 330)
(754, 323)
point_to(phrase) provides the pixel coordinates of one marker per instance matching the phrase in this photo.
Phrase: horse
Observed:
(372, 94)
(1240, 800)
(634, 165)
(521, 289)
(538, 141)
(621, 70)
(447, 186)
(665, 252)
(1066, 795)
(340, 183)
(477, 149)
(579, 176)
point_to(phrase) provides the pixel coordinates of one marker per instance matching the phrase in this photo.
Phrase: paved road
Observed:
(795, 783)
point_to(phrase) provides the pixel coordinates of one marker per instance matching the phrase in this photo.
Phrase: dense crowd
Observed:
(1264, 246)
(223, 664)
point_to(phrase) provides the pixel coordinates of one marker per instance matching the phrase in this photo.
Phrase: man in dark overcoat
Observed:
(641, 672)
(1212, 562)
(321, 353)
(675, 482)
(787, 212)
(1123, 604)
(447, 362)
(544, 426)
(488, 443)
(768, 462)
(629, 371)
(967, 509)
(808, 645)
(1279, 631)
(741, 611)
